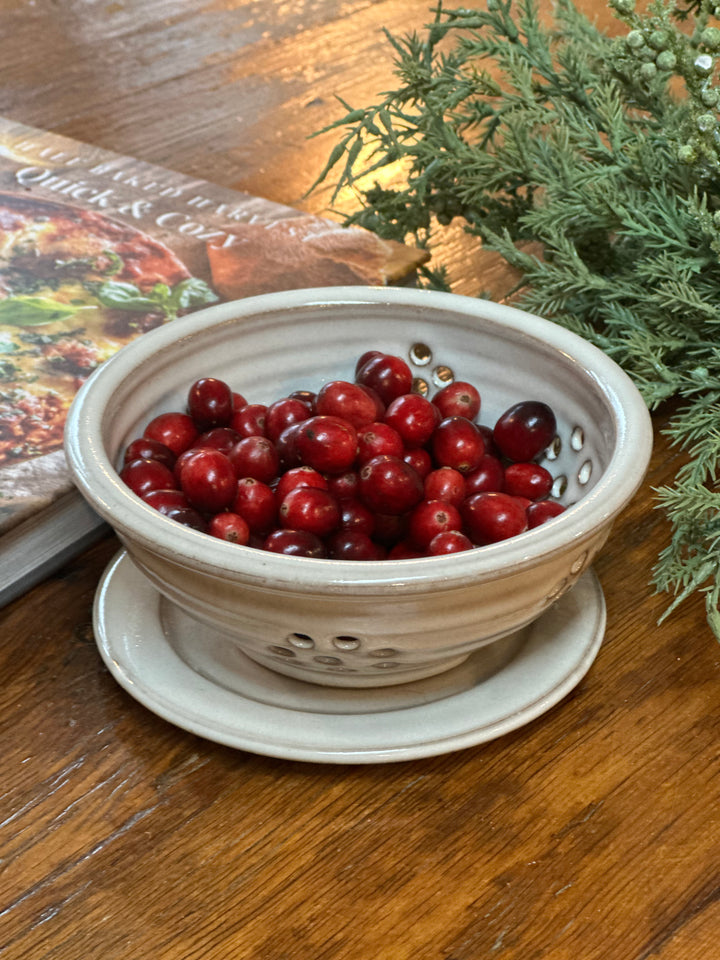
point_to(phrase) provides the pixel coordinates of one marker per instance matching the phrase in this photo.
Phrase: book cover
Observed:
(96, 248)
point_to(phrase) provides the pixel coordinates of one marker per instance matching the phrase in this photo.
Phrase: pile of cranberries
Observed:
(362, 470)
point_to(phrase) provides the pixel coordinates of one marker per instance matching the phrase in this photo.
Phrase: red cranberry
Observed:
(349, 401)
(528, 480)
(307, 396)
(175, 430)
(458, 399)
(414, 418)
(405, 550)
(210, 403)
(364, 357)
(295, 543)
(238, 401)
(208, 480)
(449, 541)
(431, 517)
(255, 502)
(390, 529)
(229, 526)
(286, 447)
(354, 545)
(354, 515)
(219, 438)
(188, 517)
(143, 448)
(525, 430)
(446, 484)
(298, 477)
(142, 476)
(420, 460)
(311, 509)
(376, 439)
(389, 485)
(328, 444)
(487, 475)
(344, 486)
(164, 500)
(283, 414)
(249, 421)
(541, 512)
(457, 443)
(388, 376)
(255, 457)
(490, 517)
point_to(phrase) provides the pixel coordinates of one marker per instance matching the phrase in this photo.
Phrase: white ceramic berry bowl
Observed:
(367, 624)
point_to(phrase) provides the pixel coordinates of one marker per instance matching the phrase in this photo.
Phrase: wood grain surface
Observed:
(591, 833)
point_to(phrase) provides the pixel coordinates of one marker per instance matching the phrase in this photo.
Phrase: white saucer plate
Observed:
(212, 690)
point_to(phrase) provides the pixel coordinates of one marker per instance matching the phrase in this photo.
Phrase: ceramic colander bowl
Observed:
(348, 623)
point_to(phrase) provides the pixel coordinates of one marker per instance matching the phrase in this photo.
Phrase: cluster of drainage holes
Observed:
(577, 442)
(301, 642)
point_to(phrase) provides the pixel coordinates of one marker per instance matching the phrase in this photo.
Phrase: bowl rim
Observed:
(95, 476)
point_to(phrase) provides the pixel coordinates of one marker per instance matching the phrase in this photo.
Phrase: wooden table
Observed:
(592, 833)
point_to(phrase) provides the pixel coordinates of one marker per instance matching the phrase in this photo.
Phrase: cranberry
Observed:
(414, 418)
(299, 477)
(311, 509)
(283, 414)
(354, 515)
(142, 476)
(388, 376)
(541, 512)
(389, 485)
(255, 502)
(487, 435)
(249, 421)
(175, 430)
(229, 526)
(143, 448)
(295, 543)
(344, 485)
(446, 484)
(457, 443)
(420, 460)
(208, 480)
(376, 439)
(349, 401)
(255, 457)
(286, 447)
(307, 396)
(164, 500)
(528, 480)
(354, 545)
(364, 357)
(448, 541)
(210, 403)
(525, 430)
(187, 516)
(328, 444)
(390, 529)
(405, 550)
(238, 401)
(487, 475)
(431, 517)
(490, 517)
(458, 399)
(219, 438)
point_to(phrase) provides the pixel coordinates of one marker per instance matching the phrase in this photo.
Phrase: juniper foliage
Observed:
(603, 150)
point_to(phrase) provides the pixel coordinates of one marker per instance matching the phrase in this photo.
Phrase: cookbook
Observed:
(97, 248)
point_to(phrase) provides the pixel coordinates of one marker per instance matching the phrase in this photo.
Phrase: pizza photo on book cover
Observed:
(96, 249)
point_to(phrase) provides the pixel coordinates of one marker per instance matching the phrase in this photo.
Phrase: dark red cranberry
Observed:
(164, 500)
(354, 515)
(298, 477)
(414, 418)
(143, 448)
(405, 550)
(445, 483)
(142, 476)
(188, 517)
(238, 401)
(528, 480)
(210, 403)
(458, 399)
(420, 460)
(249, 421)
(525, 430)
(431, 517)
(229, 526)
(376, 439)
(388, 376)
(364, 357)
(488, 475)
(349, 401)
(295, 543)
(354, 545)
(491, 517)
(283, 414)
(344, 486)
(311, 509)
(286, 447)
(457, 443)
(541, 512)
(255, 502)
(219, 438)
(328, 444)
(307, 396)
(390, 529)
(449, 541)
(208, 480)
(175, 430)
(389, 485)
(255, 457)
